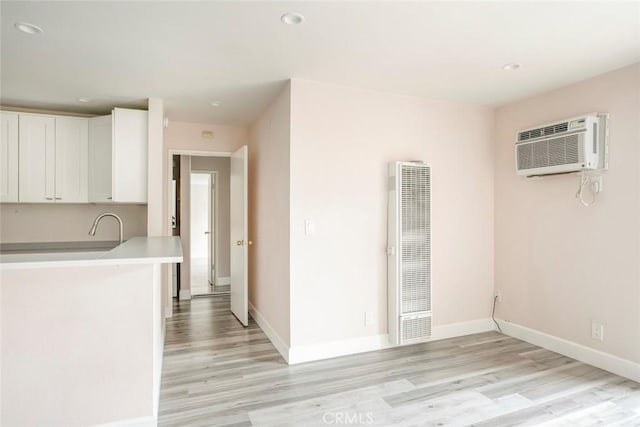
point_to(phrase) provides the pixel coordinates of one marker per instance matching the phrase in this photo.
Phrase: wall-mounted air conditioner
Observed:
(569, 145)
(409, 253)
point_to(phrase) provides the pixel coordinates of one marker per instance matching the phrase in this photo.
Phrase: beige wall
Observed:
(158, 219)
(221, 166)
(27, 222)
(269, 210)
(188, 136)
(158, 223)
(559, 265)
(342, 140)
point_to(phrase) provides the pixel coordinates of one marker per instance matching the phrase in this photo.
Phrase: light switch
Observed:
(309, 227)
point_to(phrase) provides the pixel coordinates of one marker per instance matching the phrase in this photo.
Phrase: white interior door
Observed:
(211, 265)
(199, 233)
(239, 235)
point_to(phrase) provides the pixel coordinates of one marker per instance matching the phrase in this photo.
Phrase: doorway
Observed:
(204, 234)
(215, 240)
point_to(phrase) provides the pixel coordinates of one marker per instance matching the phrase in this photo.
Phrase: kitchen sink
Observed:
(57, 247)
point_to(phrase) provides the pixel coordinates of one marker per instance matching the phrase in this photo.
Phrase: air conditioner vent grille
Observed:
(563, 150)
(415, 249)
(543, 131)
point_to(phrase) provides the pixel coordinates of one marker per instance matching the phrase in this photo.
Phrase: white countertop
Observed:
(137, 250)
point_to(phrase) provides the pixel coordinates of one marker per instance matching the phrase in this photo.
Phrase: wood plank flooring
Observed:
(217, 373)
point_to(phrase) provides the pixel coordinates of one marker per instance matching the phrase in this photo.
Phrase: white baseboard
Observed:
(327, 350)
(597, 358)
(223, 281)
(133, 422)
(185, 294)
(273, 336)
(460, 329)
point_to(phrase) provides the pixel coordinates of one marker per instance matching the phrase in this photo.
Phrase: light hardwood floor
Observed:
(218, 373)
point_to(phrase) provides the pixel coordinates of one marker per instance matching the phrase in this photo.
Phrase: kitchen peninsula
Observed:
(82, 334)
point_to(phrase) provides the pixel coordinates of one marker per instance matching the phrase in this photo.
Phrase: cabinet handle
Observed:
(58, 198)
(49, 198)
(109, 198)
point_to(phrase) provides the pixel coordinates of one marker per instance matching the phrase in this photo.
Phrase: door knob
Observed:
(239, 243)
(250, 243)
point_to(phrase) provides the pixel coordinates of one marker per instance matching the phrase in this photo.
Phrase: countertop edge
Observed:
(137, 250)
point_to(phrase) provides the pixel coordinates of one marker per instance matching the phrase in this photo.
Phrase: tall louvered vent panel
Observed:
(409, 252)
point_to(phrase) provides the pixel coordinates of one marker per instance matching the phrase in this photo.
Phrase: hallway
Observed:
(218, 373)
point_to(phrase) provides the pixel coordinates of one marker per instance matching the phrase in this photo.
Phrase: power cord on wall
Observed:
(493, 313)
(595, 189)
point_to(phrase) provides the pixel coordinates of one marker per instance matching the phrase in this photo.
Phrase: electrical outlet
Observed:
(498, 294)
(368, 318)
(597, 331)
(596, 184)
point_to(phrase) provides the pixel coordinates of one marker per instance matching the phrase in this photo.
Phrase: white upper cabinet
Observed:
(37, 159)
(72, 145)
(53, 159)
(100, 134)
(130, 155)
(9, 158)
(118, 157)
(59, 159)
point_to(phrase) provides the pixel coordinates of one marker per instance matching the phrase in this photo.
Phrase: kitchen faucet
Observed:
(92, 232)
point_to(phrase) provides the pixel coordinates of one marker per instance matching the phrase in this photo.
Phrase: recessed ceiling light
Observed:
(25, 27)
(215, 103)
(511, 66)
(292, 18)
(83, 100)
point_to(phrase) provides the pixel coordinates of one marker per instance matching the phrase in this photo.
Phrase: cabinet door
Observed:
(100, 133)
(9, 158)
(72, 158)
(37, 158)
(130, 154)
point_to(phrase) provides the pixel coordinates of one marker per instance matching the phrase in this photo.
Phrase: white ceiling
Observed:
(239, 53)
